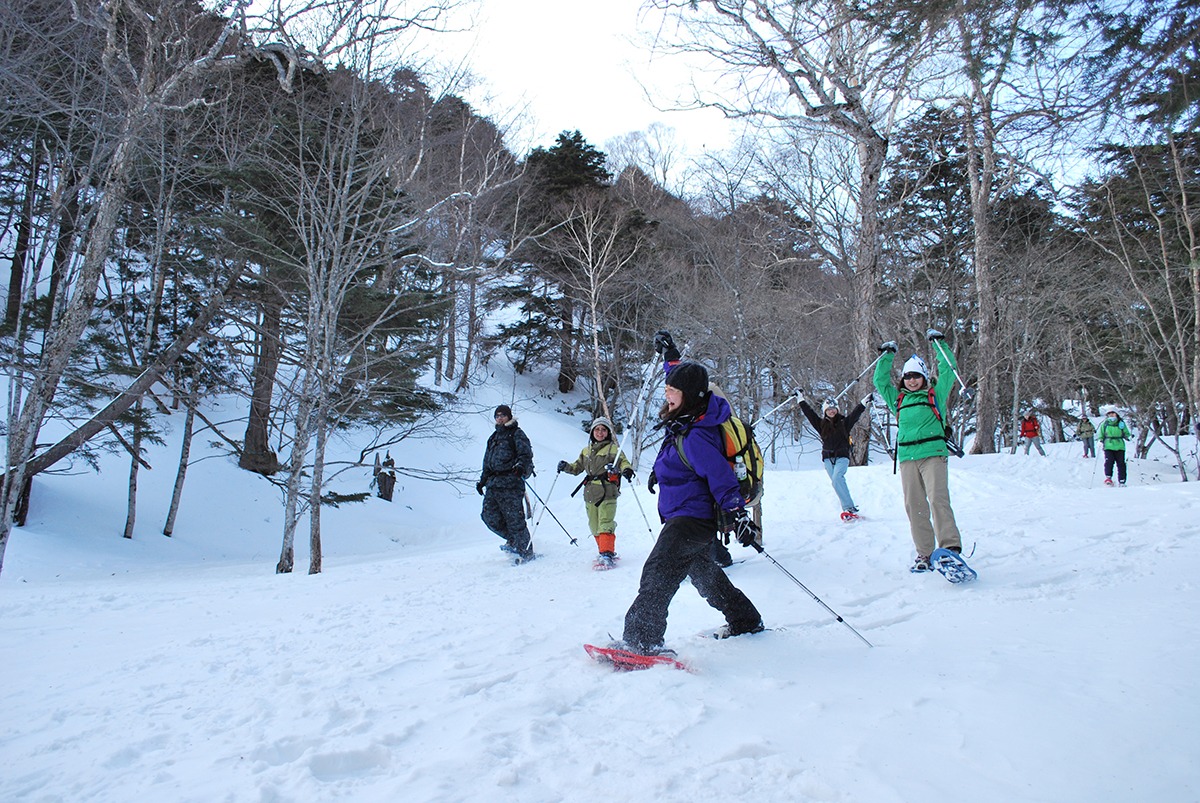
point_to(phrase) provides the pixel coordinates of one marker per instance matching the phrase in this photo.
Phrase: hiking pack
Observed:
(947, 431)
(742, 452)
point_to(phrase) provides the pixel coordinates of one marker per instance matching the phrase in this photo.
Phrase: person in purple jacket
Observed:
(691, 502)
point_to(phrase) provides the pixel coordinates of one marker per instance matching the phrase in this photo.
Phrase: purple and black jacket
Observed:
(712, 485)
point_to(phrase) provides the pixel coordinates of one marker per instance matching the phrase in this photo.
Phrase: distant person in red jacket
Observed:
(1031, 433)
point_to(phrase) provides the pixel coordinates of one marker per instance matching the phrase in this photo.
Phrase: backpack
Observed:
(743, 454)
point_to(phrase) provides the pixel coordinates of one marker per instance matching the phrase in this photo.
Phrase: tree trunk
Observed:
(473, 327)
(185, 453)
(314, 497)
(134, 465)
(981, 170)
(16, 278)
(257, 455)
(67, 224)
(566, 369)
(291, 506)
(866, 280)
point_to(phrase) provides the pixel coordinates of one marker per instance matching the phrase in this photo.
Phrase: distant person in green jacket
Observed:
(1086, 432)
(918, 402)
(1112, 434)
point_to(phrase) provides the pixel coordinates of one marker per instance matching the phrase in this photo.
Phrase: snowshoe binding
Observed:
(726, 631)
(605, 561)
(950, 565)
(921, 564)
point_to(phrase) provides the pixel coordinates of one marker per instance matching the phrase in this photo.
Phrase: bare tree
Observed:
(597, 243)
(816, 67)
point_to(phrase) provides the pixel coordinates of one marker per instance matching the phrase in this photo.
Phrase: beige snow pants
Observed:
(926, 488)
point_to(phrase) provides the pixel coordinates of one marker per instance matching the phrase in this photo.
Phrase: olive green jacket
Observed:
(592, 462)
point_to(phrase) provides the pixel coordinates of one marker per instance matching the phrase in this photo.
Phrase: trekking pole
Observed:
(648, 379)
(789, 400)
(766, 555)
(551, 512)
(856, 379)
(649, 529)
(941, 348)
(549, 494)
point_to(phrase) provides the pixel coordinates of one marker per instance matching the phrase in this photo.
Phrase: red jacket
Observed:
(1030, 428)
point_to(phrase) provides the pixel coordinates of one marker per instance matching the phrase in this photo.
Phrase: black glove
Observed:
(479, 487)
(744, 528)
(934, 334)
(518, 470)
(563, 465)
(888, 346)
(628, 474)
(651, 482)
(663, 341)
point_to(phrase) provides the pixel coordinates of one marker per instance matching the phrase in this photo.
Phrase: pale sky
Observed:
(576, 64)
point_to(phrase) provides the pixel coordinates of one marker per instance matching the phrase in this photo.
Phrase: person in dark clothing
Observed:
(692, 502)
(834, 429)
(507, 463)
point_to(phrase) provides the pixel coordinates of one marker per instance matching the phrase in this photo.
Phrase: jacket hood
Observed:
(717, 413)
(601, 421)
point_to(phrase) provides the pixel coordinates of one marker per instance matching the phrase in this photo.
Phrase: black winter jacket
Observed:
(834, 432)
(508, 459)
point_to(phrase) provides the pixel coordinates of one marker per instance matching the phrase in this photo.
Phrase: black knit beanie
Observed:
(692, 379)
(503, 408)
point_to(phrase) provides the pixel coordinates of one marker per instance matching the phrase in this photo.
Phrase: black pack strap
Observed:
(922, 440)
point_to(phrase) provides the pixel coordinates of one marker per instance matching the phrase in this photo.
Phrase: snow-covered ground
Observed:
(420, 666)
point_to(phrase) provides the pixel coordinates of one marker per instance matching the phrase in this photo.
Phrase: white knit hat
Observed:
(915, 365)
(829, 404)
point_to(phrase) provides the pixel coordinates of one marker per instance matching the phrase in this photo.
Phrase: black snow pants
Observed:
(504, 514)
(683, 550)
(1112, 456)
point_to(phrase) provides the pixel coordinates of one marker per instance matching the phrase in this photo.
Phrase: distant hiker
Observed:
(1031, 432)
(603, 465)
(1086, 432)
(1112, 434)
(921, 452)
(692, 502)
(834, 430)
(507, 463)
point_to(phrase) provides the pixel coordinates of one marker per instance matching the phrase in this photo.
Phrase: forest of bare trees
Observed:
(204, 202)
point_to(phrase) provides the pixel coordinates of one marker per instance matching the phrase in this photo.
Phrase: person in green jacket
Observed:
(603, 464)
(918, 402)
(1112, 434)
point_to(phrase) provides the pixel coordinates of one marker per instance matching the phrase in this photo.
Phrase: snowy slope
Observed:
(420, 666)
